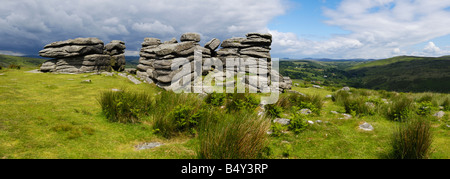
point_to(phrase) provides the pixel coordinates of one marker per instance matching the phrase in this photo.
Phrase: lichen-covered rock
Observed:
(72, 48)
(83, 55)
(213, 44)
(151, 42)
(186, 37)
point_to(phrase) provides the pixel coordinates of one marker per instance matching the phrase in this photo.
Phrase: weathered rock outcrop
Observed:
(83, 55)
(250, 55)
(156, 60)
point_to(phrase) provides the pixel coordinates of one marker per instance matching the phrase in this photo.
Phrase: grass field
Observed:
(58, 116)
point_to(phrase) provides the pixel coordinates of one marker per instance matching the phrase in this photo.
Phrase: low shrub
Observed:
(241, 101)
(170, 120)
(186, 117)
(238, 135)
(425, 108)
(400, 109)
(273, 110)
(277, 129)
(412, 140)
(446, 104)
(216, 99)
(14, 66)
(298, 123)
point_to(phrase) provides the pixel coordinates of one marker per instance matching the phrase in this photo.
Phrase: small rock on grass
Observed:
(282, 121)
(86, 81)
(366, 127)
(439, 114)
(134, 80)
(34, 71)
(305, 111)
(145, 146)
(347, 116)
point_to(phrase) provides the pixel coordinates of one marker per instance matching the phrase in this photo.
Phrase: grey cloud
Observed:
(27, 25)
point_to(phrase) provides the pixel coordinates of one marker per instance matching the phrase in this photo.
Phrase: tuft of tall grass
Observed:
(312, 102)
(429, 98)
(358, 106)
(400, 109)
(238, 135)
(446, 104)
(412, 140)
(125, 106)
(14, 66)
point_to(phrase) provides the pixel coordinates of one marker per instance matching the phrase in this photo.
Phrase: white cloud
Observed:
(431, 48)
(378, 29)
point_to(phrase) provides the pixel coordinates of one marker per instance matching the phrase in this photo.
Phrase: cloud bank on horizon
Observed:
(376, 28)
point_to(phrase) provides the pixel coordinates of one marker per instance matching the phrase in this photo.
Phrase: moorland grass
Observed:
(412, 140)
(57, 116)
(237, 135)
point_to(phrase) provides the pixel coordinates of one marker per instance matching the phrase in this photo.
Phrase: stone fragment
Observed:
(282, 121)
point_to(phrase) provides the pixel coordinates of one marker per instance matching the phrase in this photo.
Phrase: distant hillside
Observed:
(328, 73)
(6, 60)
(404, 73)
(132, 61)
(35, 61)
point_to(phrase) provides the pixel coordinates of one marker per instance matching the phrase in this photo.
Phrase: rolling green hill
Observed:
(328, 73)
(6, 60)
(404, 73)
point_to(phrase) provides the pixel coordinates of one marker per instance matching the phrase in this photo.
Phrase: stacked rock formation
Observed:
(249, 55)
(156, 60)
(116, 50)
(82, 55)
(254, 57)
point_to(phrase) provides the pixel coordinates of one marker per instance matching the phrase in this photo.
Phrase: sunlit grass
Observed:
(57, 116)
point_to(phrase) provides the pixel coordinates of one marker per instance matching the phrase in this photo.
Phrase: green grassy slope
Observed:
(391, 61)
(6, 60)
(57, 116)
(405, 73)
